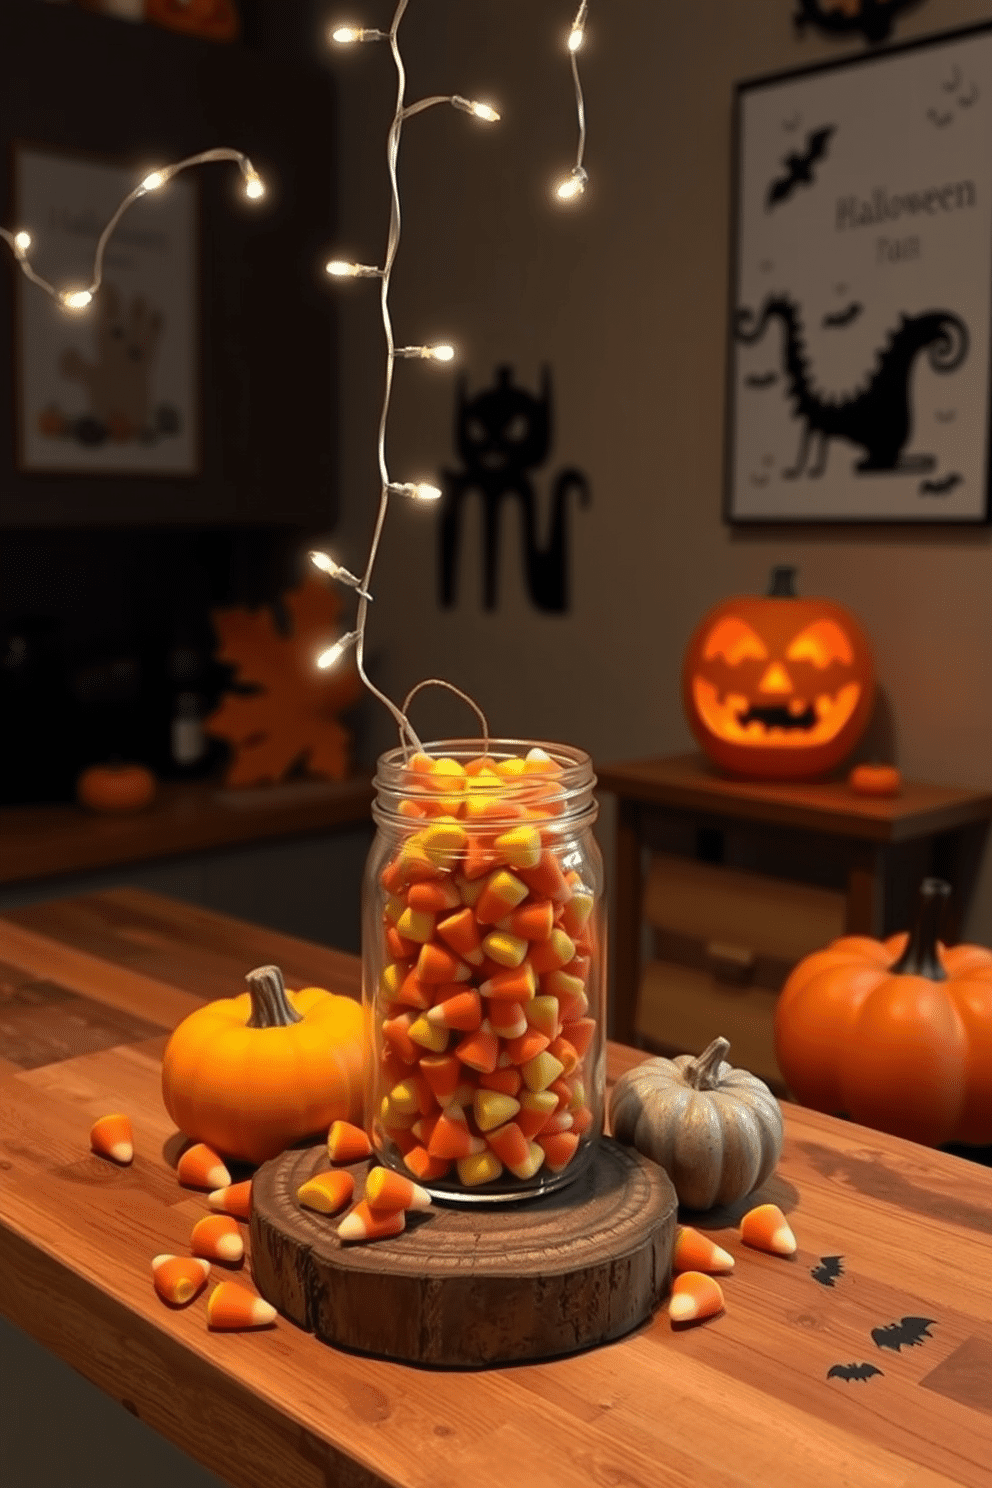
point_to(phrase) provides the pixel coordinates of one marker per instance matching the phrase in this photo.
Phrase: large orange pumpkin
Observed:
(896, 1034)
(216, 19)
(776, 686)
(249, 1075)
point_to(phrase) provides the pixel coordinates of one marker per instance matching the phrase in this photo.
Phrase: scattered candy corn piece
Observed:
(347, 1143)
(696, 1252)
(386, 1191)
(177, 1279)
(327, 1192)
(200, 1167)
(231, 1306)
(217, 1238)
(111, 1137)
(364, 1223)
(234, 1199)
(766, 1228)
(694, 1296)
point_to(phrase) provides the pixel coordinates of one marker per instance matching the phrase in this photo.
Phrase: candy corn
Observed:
(217, 1238)
(200, 1167)
(694, 1296)
(327, 1192)
(766, 1228)
(696, 1252)
(364, 1224)
(234, 1199)
(347, 1143)
(111, 1137)
(231, 1307)
(177, 1279)
(386, 1191)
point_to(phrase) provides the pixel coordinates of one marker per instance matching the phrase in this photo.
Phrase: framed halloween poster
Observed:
(861, 293)
(111, 389)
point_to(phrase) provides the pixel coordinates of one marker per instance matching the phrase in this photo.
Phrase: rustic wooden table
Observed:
(89, 988)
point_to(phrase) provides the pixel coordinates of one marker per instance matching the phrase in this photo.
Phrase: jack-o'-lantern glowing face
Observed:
(778, 686)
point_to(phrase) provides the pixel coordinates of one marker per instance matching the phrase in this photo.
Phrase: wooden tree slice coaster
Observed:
(478, 1285)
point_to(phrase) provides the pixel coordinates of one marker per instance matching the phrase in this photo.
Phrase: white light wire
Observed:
(80, 297)
(575, 183)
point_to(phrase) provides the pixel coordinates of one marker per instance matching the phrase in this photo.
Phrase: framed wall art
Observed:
(114, 390)
(861, 289)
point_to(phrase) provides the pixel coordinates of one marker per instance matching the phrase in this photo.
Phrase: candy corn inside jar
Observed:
(483, 968)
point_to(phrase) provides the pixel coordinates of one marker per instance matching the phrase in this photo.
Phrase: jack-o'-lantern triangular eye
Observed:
(734, 640)
(821, 643)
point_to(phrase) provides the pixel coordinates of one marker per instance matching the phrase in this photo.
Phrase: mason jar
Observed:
(483, 968)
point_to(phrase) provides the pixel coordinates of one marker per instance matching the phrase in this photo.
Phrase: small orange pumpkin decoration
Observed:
(116, 787)
(896, 1034)
(249, 1075)
(777, 687)
(875, 780)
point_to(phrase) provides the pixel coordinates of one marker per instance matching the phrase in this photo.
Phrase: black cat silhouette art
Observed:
(502, 434)
(877, 417)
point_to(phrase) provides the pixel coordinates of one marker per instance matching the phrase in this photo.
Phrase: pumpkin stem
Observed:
(703, 1072)
(270, 1007)
(782, 584)
(921, 957)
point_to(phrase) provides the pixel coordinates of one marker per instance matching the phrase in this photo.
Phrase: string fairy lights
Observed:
(80, 297)
(572, 186)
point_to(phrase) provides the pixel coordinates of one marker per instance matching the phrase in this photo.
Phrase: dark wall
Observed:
(106, 585)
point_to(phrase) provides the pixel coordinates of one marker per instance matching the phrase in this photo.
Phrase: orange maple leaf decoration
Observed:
(291, 717)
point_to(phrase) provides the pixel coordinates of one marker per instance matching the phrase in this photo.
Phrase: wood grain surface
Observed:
(691, 783)
(746, 1398)
(476, 1285)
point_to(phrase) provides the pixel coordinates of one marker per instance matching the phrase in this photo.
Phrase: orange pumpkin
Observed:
(116, 787)
(875, 780)
(249, 1075)
(778, 687)
(215, 19)
(896, 1034)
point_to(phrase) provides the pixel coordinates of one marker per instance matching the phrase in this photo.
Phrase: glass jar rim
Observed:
(573, 780)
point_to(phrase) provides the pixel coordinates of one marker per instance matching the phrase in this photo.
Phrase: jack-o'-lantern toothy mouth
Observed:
(779, 726)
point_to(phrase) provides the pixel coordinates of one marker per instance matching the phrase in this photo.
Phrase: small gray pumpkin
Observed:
(716, 1131)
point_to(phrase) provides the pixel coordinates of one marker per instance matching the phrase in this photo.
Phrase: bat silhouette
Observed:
(799, 167)
(761, 379)
(967, 101)
(842, 317)
(955, 81)
(941, 487)
(758, 480)
(828, 1270)
(909, 1331)
(945, 416)
(853, 1371)
(792, 123)
(939, 119)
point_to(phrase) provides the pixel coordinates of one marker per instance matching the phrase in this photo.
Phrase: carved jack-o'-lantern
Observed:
(778, 687)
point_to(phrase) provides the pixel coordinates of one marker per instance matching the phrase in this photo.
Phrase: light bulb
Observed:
(480, 110)
(22, 241)
(339, 269)
(426, 353)
(323, 561)
(441, 353)
(418, 490)
(254, 186)
(573, 185)
(75, 299)
(334, 653)
(348, 35)
(575, 38)
(153, 181)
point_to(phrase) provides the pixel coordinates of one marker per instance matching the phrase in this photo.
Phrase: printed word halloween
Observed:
(853, 211)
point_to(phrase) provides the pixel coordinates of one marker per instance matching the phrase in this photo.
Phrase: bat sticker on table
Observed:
(799, 166)
(942, 486)
(909, 1331)
(852, 1371)
(828, 1270)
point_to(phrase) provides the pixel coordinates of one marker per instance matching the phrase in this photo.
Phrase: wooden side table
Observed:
(932, 828)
